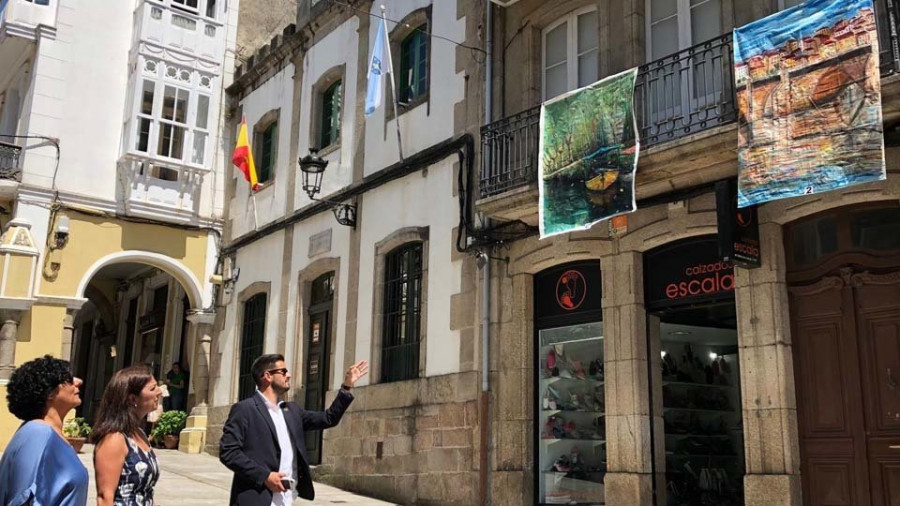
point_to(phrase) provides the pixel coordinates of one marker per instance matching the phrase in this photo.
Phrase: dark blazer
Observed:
(249, 445)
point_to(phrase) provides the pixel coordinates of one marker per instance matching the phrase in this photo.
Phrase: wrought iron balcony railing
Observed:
(676, 96)
(9, 162)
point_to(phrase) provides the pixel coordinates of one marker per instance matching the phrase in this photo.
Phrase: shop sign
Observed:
(568, 289)
(687, 272)
(738, 228)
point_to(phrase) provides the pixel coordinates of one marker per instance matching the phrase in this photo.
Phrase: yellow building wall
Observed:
(17, 276)
(40, 333)
(8, 423)
(93, 237)
(90, 239)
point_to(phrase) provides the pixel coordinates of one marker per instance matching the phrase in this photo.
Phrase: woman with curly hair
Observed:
(125, 465)
(39, 466)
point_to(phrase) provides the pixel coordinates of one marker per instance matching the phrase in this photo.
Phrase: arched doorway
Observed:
(136, 312)
(843, 270)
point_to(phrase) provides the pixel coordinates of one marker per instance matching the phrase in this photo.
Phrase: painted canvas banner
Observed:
(809, 101)
(588, 154)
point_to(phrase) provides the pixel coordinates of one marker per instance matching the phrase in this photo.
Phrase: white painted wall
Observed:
(419, 128)
(421, 199)
(259, 261)
(340, 47)
(276, 93)
(297, 323)
(415, 201)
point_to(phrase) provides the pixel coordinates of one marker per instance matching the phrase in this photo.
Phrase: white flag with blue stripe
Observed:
(378, 66)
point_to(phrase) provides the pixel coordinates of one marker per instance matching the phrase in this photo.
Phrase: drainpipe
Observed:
(484, 262)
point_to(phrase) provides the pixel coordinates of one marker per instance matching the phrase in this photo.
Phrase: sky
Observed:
(794, 23)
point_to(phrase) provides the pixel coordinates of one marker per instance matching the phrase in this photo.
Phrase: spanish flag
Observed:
(243, 156)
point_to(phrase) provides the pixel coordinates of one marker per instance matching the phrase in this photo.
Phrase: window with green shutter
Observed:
(413, 65)
(265, 169)
(253, 331)
(330, 127)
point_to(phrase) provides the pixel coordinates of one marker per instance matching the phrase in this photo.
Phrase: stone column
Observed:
(193, 437)
(771, 438)
(67, 334)
(628, 481)
(9, 332)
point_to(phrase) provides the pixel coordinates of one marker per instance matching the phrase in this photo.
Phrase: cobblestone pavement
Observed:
(203, 481)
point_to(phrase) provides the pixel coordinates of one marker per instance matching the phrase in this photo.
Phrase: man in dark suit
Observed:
(263, 440)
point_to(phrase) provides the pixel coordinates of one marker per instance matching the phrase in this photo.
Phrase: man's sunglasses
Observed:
(282, 371)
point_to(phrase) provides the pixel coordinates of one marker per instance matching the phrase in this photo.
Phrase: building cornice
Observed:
(75, 201)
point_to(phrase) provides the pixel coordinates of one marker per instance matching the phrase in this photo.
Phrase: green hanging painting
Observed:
(588, 155)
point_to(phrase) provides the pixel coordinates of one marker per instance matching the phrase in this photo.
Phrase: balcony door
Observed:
(569, 57)
(684, 83)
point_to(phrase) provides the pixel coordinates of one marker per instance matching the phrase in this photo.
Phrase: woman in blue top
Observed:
(39, 466)
(125, 465)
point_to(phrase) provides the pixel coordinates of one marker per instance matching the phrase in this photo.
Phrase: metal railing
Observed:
(509, 150)
(676, 96)
(9, 162)
(686, 92)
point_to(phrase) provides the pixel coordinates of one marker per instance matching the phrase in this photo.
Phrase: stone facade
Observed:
(411, 442)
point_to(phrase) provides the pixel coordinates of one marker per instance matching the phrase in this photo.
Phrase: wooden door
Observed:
(316, 376)
(877, 311)
(846, 331)
(829, 408)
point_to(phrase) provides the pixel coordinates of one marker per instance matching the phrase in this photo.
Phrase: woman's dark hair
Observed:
(32, 383)
(117, 412)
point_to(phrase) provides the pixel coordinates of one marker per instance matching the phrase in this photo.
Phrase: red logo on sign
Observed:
(571, 290)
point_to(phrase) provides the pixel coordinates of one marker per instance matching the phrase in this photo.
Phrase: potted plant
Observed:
(76, 431)
(167, 429)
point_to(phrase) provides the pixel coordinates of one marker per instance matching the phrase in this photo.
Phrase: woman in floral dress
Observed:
(126, 467)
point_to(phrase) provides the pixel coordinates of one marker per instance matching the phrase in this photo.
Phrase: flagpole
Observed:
(255, 217)
(393, 84)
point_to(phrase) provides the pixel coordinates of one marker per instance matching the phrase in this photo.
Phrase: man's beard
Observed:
(280, 389)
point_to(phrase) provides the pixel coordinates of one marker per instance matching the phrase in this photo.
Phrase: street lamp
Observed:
(313, 167)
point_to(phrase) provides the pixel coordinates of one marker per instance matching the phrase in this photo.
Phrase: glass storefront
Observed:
(572, 448)
(701, 411)
(570, 411)
(694, 375)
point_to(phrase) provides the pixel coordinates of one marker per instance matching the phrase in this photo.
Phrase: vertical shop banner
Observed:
(809, 101)
(588, 154)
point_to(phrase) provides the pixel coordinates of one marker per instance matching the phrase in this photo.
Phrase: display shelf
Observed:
(553, 379)
(700, 455)
(711, 436)
(595, 442)
(696, 410)
(697, 385)
(551, 412)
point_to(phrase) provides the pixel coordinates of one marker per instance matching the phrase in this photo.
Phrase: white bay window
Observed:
(172, 122)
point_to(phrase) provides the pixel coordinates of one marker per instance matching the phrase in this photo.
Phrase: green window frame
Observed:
(268, 141)
(253, 331)
(414, 65)
(330, 126)
(402, 331)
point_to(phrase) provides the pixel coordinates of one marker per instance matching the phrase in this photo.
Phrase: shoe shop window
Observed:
(695, 379)
(570, 427)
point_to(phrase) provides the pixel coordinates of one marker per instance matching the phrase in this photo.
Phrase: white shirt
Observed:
(287, 465)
